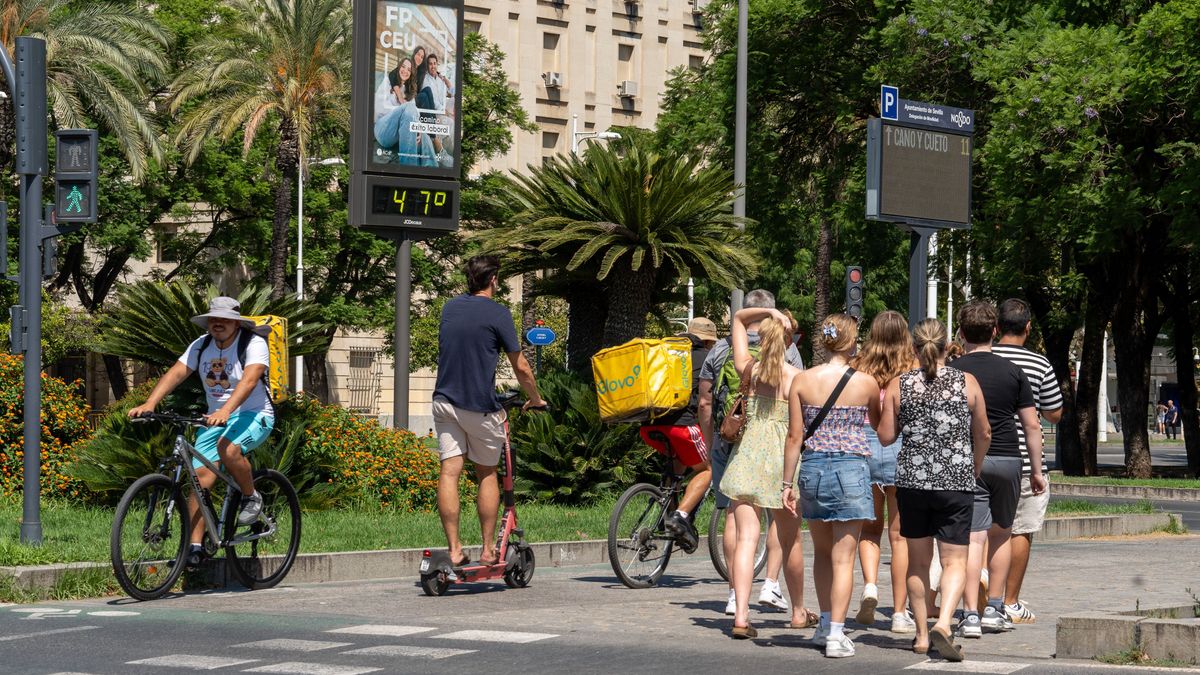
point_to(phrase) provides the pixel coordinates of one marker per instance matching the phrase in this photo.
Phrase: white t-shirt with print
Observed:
(220, 371)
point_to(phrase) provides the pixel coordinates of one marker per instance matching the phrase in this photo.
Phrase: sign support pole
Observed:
(402, 342)
(918, 267)
(739, 135)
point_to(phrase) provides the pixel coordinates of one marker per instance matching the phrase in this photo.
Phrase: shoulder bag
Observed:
(734, 424)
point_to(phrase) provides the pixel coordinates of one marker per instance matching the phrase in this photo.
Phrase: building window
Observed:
(695, 62)
(550, 51)
(550, 140)
(625, 59)
(167, 252)
(472, 26)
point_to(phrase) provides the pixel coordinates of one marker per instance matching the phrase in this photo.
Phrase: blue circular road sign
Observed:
(541, 336)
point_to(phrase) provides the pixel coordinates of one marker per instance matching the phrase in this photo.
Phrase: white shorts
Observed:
(1031, 509)
(478, 436)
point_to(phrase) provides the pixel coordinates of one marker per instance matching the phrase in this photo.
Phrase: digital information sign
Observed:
(406, 122)
(919, 163)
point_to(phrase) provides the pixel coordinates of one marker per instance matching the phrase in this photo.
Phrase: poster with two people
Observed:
(416, 63)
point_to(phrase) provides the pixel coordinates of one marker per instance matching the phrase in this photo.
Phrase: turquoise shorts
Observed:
(247, 429)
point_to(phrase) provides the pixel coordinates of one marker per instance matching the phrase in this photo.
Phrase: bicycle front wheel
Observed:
(716, 533)
(639, 547)
(261, 554)
(149, 537)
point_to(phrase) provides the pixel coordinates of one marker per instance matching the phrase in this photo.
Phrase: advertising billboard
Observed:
(918, 175)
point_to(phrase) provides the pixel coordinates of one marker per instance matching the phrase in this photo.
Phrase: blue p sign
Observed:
(889, 102)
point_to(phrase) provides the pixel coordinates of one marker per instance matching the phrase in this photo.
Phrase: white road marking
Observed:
(285, 644)
(406, 650)
(299, 668)
(56, 631)
(381, 629)
(190, 661)
(34, 610)
(39, 613)
(991, 667)
(113, 612)
(495, 636)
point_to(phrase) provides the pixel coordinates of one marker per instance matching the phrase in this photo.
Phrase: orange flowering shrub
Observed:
(64, 423)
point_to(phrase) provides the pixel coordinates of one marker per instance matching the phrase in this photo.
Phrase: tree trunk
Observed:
(1185, 371)
(1087, 395)
(528, 315)
(586, 316)
(821, 288)
(1057, 338)
(287, 162)
(629, 301)
(316, 380)
(116, 376)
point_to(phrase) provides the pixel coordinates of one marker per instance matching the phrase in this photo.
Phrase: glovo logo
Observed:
(613, 386)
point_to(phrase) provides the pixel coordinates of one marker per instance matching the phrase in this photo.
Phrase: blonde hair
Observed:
(839, 332)
(773, 338)
(929, 336)
(889, 352)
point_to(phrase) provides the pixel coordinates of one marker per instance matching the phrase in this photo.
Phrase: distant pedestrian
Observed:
(1015, 323)
(946, 436)
(1160, 416)
(1008, 396)
(887, 354)
(1172, 419)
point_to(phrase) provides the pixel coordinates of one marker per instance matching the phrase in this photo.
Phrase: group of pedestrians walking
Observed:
(889, 433)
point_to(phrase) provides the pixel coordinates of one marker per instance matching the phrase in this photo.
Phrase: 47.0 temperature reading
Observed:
(416, 202)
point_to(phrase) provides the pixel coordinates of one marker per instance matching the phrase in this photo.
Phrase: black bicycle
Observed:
(639, 544)
(149, 540)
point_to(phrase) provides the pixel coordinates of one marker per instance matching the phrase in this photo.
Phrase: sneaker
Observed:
(684, 532)
(970, 627)
(191, 560)
(902, 622)
(839, 647)
(251, 509)
(870, 600)
(731, 606)
(995, 620)
(772, 596)
(821, 636)
(1018, 613)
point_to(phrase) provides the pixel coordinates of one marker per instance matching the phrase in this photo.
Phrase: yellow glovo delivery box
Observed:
(643, 379)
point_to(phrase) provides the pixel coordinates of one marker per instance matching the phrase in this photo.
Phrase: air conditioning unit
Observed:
(627, 89)
(698, 6)
(553, 79)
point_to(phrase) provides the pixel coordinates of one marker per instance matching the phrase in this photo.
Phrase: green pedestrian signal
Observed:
(75, 174)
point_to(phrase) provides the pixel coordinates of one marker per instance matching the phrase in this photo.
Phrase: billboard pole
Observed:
(739, 136)
(402, 341)
(918, 268)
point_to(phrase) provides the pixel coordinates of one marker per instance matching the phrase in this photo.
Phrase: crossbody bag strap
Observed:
(837, 391)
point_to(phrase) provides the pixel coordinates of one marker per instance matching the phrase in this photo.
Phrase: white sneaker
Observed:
(820, 636)
(1019, 613)
(731, 606)
(772, 596)
(902, 622)
(994, 620)
(870, 600)
(839, 648)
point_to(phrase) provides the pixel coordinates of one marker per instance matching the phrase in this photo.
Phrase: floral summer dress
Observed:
(755, 469)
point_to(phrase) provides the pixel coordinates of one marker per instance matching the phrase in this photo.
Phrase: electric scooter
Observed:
(515, 562)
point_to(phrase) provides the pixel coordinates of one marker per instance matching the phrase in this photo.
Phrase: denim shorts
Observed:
(882, 460)
(836, 486)
(719, 457)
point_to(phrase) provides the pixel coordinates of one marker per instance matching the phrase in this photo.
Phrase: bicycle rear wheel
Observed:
(639, 547)
(716, 532)
(260, 557)
(149, 537)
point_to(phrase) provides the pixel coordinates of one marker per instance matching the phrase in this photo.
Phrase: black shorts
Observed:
(944, 515)
(997, 491)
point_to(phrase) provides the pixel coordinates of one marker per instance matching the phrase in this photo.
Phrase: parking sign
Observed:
(889, 102)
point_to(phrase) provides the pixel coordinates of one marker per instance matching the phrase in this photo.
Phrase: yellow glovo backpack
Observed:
(643, 379)
(275, 330)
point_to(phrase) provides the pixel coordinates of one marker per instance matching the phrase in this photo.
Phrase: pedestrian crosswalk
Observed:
(355, 650)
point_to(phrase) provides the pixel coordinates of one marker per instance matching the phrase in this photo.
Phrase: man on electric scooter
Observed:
(474, 330)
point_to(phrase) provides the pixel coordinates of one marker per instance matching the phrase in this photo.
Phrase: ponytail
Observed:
(773, 341)
(929, 337)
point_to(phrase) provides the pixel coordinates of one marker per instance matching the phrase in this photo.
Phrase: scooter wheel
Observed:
(434, 584)
(521, 572)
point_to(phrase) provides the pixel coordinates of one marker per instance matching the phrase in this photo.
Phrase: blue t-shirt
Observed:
(474, 332)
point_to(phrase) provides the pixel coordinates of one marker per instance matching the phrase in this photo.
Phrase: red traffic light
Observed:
(539, 322)
(855, 275)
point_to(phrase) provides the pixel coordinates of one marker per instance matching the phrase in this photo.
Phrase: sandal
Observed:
(463, 562)
(811, 619)
(746, 632)
(945, 646)
(489, 563)
(919, 650)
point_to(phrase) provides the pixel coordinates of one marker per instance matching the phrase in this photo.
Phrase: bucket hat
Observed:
(222, 307)
(703, 328)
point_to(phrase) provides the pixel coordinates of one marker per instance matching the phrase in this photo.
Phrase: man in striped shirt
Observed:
(1014, 324)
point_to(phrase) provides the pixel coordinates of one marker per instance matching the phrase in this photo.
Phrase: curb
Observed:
(1167, 633)
(1125, 492)
(402, 563)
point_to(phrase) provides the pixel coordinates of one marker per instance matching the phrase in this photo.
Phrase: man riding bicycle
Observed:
(678, 435)
(240, 415)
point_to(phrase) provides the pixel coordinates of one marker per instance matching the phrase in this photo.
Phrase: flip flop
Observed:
(463, 562)
(811, 619)
(919, 650)
(489, 563)
(746, 632)
(945, 645)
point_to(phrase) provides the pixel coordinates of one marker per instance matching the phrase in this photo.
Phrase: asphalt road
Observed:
(576, 620)
(1113, 454)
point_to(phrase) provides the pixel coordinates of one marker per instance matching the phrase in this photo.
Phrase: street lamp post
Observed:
(577, 135)
(328, 161)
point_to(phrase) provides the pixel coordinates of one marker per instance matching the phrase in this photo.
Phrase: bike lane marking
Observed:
(494, 636)
(56, 631)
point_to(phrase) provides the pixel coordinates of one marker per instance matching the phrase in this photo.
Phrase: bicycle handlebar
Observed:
(170, 418)
(512, 399)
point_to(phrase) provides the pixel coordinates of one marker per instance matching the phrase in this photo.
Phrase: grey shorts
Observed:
(997, 491)
(478, 436)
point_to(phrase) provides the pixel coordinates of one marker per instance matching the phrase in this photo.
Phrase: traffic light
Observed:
(854, 292)
(75, 171)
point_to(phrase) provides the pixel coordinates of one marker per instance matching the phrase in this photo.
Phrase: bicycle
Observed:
(639, 545)
(151, 531)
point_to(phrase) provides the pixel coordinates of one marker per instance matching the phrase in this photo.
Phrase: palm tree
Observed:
(102, 62)
(619, 226)
(280, 63)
